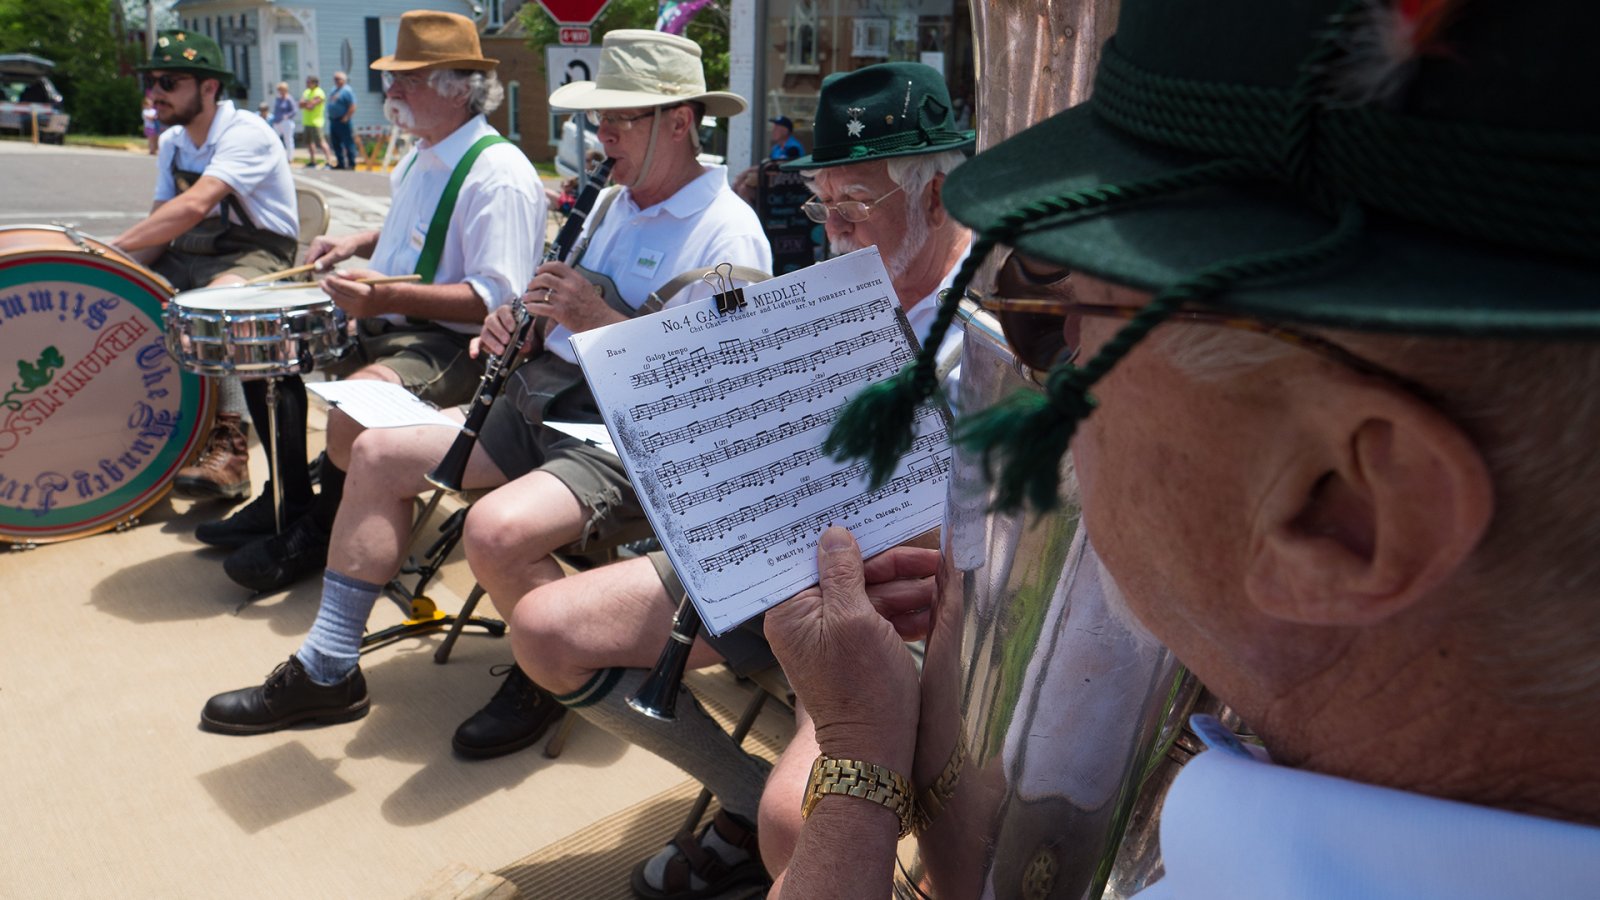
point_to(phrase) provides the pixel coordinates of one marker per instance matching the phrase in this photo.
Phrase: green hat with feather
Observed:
(1412, 166)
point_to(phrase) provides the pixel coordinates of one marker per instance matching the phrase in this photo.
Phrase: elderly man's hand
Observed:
(845, 659)
(498, 329)
(359, 301)
(325, 252)
(558, 291)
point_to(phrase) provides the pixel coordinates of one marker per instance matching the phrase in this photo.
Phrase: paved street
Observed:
(102, 192)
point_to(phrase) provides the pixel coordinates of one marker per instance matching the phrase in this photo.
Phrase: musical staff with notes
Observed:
(720, 419)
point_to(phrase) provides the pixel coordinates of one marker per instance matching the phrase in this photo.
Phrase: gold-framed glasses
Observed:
(848, 210)
(1041, 329)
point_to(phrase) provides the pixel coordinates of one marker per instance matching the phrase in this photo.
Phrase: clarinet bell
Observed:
(657, 697)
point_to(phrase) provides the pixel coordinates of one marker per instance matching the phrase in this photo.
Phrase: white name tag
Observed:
(646, 261)
(419, 236)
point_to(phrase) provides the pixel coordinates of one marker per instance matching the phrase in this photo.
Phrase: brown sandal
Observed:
(694, 859)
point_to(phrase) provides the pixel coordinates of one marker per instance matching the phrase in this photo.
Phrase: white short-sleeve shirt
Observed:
(242, 151)
(703, 224)
(496, 236)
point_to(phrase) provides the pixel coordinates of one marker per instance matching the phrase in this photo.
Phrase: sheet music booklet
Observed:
(720, 419)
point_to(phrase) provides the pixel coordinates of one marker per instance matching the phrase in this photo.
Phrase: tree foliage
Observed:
(709, 29)
(85, 39)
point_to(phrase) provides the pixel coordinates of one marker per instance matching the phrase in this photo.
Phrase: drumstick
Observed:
(286, 273)
(383, 279)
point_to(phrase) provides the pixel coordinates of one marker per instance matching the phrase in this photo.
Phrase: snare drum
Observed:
(256, 331)
(95, 420)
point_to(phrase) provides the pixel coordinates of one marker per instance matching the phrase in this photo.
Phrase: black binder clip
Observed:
(728, 297)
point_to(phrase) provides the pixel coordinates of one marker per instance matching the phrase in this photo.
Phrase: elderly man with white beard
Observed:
(468, 216)
(588, 640)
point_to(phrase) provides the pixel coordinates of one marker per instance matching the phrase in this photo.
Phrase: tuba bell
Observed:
(1052, 722)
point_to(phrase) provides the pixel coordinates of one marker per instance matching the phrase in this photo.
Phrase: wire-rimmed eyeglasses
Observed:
(1036, 326)
(620, 122)
(848, 210)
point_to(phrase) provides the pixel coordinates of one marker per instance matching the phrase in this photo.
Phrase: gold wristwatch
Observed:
(868, 781)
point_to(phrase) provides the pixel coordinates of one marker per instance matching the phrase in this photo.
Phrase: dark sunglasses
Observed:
(1039, 316)
(166, 81)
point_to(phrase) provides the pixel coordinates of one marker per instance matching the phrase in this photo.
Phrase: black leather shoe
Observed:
(288, 697)
(252, 522)
(520, 713)
(274, 562)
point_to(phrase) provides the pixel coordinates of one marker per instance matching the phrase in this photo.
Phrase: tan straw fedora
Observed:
(435, 40)
(646, 68)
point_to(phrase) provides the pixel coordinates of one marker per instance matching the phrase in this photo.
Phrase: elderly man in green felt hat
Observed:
(885, 147)
(1336, 284)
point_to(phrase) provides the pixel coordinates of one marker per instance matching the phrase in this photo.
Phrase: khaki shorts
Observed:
(596, 477)
(188, 271)
(744, 648)
(431, 360)
(313, 135)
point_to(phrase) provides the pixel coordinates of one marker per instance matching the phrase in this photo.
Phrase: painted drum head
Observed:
(95, 417)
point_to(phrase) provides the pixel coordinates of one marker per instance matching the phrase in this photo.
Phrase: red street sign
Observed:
(579, 36)
(574, 12)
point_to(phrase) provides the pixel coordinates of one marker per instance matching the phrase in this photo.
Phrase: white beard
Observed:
(398, 112)
(912, 241)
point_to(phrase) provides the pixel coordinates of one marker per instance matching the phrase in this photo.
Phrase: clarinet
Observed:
(447, 475)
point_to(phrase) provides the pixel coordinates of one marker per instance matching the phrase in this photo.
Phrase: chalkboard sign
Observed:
(796, 240)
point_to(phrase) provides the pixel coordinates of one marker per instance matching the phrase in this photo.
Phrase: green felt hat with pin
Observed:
(1408, 166)
(880, 112)
(180, 50)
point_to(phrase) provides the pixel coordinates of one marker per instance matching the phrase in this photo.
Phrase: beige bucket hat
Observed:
(435, 40)
(646, 68)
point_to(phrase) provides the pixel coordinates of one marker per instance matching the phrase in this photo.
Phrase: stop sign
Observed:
(574, 12)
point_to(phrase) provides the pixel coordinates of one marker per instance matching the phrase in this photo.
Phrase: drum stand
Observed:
(272, 458)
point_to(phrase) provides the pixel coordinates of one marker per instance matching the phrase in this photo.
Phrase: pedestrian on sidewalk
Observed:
(313, 118)
(341, 111)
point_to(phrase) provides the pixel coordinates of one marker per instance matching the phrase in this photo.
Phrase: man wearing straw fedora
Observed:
(1337, 290)
(671, 215)
(468, 211)
(588, 641)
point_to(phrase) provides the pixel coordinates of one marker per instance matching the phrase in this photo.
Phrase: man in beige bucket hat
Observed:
(671, 215)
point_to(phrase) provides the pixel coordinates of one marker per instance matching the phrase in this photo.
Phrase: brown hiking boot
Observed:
(223, 469)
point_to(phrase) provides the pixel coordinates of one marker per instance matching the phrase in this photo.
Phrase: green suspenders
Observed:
(433, 249)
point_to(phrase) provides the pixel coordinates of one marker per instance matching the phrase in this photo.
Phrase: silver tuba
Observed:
(1051, 720)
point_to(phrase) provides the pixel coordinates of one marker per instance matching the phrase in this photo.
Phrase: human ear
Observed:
(1383, 501)
(935, 201)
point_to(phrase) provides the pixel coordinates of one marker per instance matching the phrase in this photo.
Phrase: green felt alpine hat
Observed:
(879, 112)
(179, 50)
(1462, 138)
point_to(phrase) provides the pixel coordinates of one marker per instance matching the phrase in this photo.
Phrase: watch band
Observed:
(868, 781)
(931, 801)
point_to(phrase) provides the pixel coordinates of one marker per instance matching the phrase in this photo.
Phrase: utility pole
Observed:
(149, 28)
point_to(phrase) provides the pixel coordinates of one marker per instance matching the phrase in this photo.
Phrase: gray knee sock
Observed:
(230, 397)
(333, 647)
(693, 742)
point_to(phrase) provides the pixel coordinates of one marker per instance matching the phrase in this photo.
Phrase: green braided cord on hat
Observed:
(1533, 191)
(877, 424)
(1027, 434)
(889, 143)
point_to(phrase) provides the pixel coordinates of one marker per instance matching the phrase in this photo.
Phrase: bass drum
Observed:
(95, 417)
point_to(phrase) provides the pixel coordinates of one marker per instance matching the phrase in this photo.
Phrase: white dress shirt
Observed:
(703, 224)
(496, 236)
(1236, 826)
(242, 151)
